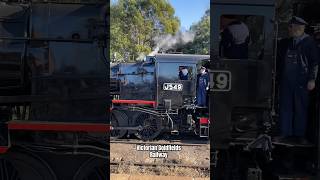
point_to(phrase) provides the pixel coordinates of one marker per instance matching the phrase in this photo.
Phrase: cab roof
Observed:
(180, 57)
(245, 2)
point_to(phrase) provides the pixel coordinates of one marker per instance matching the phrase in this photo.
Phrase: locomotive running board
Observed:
(137, 128)
(137, 102)
(57, 126)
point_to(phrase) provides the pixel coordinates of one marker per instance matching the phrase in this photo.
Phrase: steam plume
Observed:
(166, 42)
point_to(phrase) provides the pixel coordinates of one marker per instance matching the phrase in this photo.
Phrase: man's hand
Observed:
(311, 85)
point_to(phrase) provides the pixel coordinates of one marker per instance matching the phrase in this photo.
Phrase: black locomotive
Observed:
(53, 90)
(151, 97)
(244, 100)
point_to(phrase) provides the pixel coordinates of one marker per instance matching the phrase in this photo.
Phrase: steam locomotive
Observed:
(54, 90)
(150, 97)
(244, 109)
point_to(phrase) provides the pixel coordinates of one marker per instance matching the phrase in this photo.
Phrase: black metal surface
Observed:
(151, 126)
(93, 169)
(22, 166)
(57, 51)
(136, 80)
(191, 58)
(250, 89)
(245, 3)
(54, 67)
(13, 23)
(168, 72)
(84, 2)
(251, 79)
(251, 84)
(118, 119)
(144, 80)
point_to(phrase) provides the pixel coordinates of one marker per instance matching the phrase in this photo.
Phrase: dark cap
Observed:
(297, 20)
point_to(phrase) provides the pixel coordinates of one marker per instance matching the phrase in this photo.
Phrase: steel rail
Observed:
(115, 163)
(174, 142)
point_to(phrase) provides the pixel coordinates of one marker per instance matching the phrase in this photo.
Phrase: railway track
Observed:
(172, 165)
(179, 162)
(148, 177)
(162, 142)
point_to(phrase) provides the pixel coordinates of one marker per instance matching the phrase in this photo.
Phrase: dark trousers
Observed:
(293, 110)
(202, 96)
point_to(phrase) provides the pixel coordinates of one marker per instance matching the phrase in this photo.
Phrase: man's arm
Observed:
(208, 81)
(226, 42)
(313, 61)
(226, 38)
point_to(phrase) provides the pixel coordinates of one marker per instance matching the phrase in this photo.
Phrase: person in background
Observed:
(298, 58)
(202, 87)
(183, 73)
(234, 38)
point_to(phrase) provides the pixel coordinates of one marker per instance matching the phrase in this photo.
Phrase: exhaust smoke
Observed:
(165, 42)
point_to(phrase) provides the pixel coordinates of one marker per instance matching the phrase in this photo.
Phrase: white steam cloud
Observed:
(166, 42)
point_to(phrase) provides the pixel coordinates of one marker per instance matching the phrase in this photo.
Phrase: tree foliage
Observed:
(201, 42)
(134, 24)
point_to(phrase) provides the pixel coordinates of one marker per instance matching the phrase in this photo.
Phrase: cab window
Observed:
(241, 37)
(185, 72)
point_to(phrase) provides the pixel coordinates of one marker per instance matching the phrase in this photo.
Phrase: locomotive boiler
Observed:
(53, 90)
(151, 97)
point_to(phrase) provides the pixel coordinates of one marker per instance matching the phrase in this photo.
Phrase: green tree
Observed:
(201, 42)
(135, 23)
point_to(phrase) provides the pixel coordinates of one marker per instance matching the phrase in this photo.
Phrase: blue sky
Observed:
(188, 11)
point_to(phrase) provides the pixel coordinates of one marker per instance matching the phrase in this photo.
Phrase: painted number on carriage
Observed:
(172, 87)
(220, 80)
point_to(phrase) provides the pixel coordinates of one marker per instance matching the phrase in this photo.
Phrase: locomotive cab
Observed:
(173, 86)
(241, 89)
(244, 101)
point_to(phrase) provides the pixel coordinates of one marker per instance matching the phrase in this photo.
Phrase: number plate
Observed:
(172, 87)
(220, 80)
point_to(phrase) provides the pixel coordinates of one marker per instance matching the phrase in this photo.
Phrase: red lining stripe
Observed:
(3, 149)
(54, 126)
(121, 101)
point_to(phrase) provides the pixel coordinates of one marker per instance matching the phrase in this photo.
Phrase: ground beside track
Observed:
(140, 177)
(126, 154)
